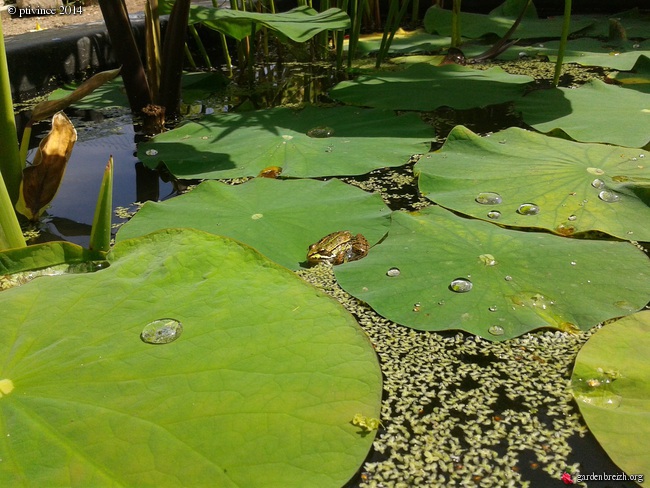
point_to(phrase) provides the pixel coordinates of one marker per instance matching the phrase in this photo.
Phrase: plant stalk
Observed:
(455, 24)
(11, 166)
(172, 59)
(119, 29)
(566, 27)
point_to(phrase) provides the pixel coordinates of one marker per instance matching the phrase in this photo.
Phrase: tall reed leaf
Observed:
(10, 233)
(10, 164)
(100, 234)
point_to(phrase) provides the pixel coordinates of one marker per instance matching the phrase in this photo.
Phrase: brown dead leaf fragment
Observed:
(42, 179)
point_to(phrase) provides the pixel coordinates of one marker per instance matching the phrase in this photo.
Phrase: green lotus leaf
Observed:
(195, 86)
(43, 255)
(278, 218)
(592, 52)
(436, 271)
(595, 112)
(403, 42)
(429, 87)
(299, 24)
(473, 26)
(343, 141)
(573, 187)
(611, 384)
(635, 22)
(638, 78)
(249, 377)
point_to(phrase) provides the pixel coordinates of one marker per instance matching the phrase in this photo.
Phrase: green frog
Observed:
(338, 247)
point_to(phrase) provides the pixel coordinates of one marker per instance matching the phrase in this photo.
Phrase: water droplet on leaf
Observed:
(572, 217)
(528, 209)
(151, 152)
(320, 132)
(598, 184)
(488, 198)
(161, 331)
(496, 330)
(494, 214)
(595, 171)
(393, 272)
(460, 285)
(609, 196)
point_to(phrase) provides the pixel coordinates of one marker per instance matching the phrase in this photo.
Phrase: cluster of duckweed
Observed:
(459, 410)
(397, 186)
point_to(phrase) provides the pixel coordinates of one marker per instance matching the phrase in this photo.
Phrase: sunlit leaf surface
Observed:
(437, 271)
(521, 178)
(278, 218)
(309, 142)
(429, 87)
(595, 112)
(611, 384)
(191, 360)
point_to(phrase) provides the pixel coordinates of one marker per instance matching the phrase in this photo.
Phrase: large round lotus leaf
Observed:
(455, 273)
(592, 52)
(574, 187)
(595, 112)
(611, 383)
(439, 21)
(46, 254)
(429, 87)
(259, 388)
(278, 218)
(194, 86)
(343, 141)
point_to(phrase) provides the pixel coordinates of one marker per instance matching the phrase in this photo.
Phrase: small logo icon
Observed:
(567, 478)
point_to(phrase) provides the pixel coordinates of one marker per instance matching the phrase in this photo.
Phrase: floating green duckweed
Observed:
(460, 410)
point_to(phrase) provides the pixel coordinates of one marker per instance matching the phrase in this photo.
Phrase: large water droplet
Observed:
(608, 196)
(496, 330)
(461, 285)
(528, 209)
(393, 272)
(494, 214)
(598, 184)
(161, 331)
(320, 132)
(488, 198)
